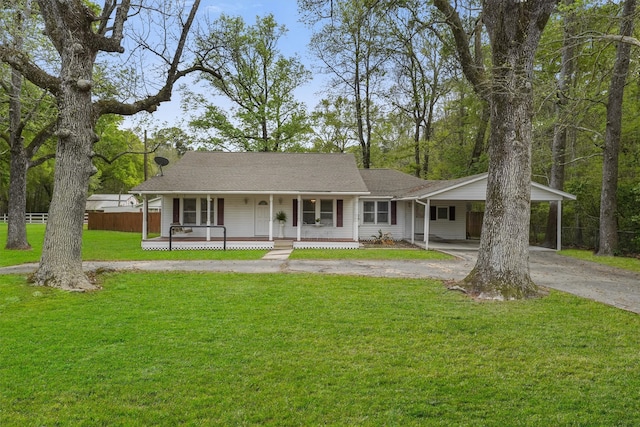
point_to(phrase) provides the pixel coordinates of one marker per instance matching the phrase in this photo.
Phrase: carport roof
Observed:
(401, 186)
(389, 182)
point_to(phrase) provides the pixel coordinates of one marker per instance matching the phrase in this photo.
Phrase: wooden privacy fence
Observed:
(123, 221)
(474, 224)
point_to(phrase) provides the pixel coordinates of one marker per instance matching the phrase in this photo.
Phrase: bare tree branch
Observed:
(41, 160)
(620, 39)
(42, 136)
(151, 103)
(19, 61)
(470, 67)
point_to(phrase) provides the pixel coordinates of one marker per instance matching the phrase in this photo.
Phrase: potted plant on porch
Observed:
(282, 218)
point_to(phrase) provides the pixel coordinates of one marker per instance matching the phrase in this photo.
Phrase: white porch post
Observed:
(559, 226)
(299, 219)
(208, 217)
(413, 222)
(145, 212)
(270, 217)
(356, 223)
(427, 212)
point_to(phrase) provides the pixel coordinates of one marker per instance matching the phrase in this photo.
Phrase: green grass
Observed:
(626, 263)
(101, 245)
(396, 254)
(275, 350)
(116, 246)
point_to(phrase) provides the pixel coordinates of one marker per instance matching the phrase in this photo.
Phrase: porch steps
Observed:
(281, 250)
(282, 244)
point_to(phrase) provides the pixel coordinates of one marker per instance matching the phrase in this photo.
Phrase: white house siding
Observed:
(239, 217)
(166, 215)
(310, 231)
(444, 229)
(538, 194)
(476, 191)
(447, 229)
(469, 192)
(397, 231)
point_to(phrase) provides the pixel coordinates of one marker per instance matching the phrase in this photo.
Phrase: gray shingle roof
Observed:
(199, 171)
(389, 182)
(430, 187)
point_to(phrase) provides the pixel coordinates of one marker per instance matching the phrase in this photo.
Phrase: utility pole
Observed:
(145, 155)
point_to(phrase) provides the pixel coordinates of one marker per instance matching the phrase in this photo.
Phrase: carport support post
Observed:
(413, 222)
(427, 212)
(559, 226)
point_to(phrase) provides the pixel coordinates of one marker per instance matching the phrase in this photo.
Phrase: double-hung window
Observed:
(309, 211)
(203, 211)
(326, 212)
(189, 211)
(313, 209)
(375, 212)
(369, 212)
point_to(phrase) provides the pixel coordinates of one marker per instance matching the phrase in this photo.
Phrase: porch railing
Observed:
(176, 227)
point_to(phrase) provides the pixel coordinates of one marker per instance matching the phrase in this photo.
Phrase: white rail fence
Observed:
(35, 218)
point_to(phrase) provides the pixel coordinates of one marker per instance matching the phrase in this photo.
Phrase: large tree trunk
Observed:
(17, 229)
(502, 269)
(61, 262)
(608, 237)
(77, 34)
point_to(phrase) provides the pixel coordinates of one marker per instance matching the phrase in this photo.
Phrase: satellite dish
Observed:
(161, 161)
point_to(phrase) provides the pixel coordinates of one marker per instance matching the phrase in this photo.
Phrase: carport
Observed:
(439, 197)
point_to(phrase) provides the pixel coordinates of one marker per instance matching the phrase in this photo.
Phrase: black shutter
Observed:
(394, 212)
(339, 208)
(176, 211)
(452, 213)
(295, 212)
(220, 211)
(433, 213)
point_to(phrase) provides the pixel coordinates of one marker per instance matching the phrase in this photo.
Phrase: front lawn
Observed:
(233, 349)
(100, 245)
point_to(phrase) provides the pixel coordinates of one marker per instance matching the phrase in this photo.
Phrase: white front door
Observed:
(262, 218)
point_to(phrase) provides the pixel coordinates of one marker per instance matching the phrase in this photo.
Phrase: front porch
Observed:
(181, 243)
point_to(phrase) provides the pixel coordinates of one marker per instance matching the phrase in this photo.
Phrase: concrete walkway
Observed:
(616, 287)
(278, 254)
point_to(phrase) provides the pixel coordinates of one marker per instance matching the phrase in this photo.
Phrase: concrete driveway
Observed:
(616, 287)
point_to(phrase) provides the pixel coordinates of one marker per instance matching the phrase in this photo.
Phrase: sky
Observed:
(293, 43)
